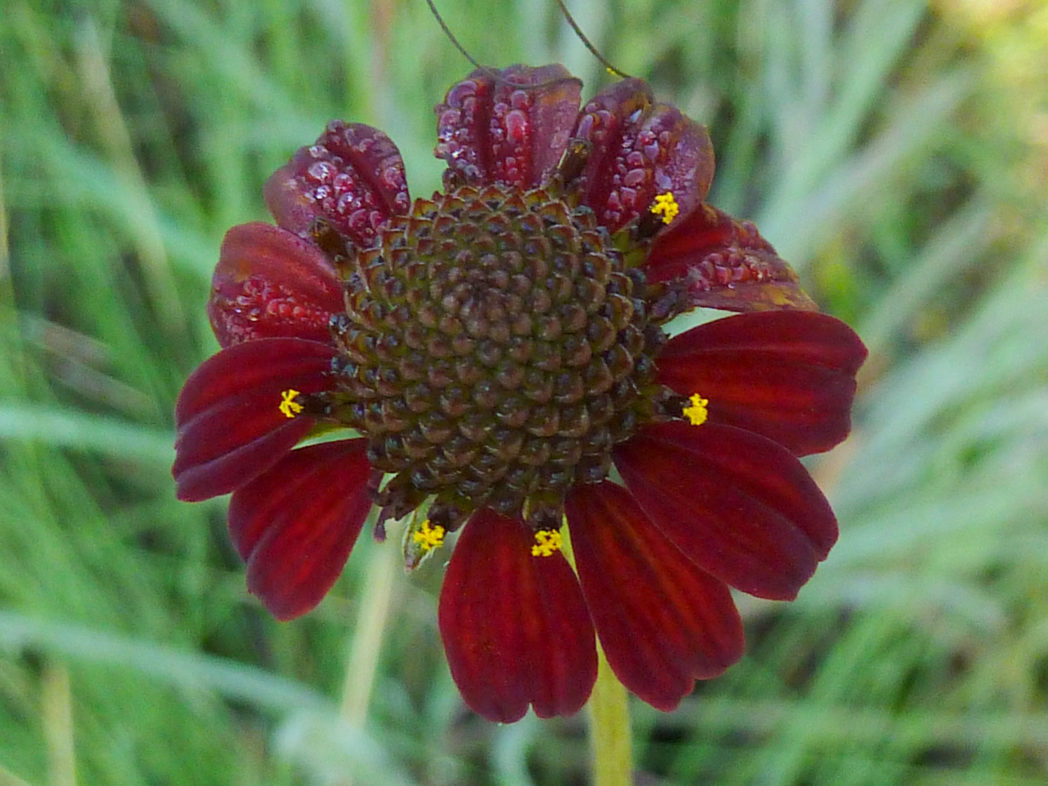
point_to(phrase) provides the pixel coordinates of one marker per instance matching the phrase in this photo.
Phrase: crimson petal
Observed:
(740, 506)
(229, 425)
(724, 263)
(640, 149)
(515, 627)
(788, 375)
(512, 130)
(271, 283)
(296, 523)
(352, 177)
(663, 622)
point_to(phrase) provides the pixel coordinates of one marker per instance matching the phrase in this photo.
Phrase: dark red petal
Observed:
(788, 375)
(737, 504)
(270, 283)
(663, 622)
(724, 263)
(492, 131)
(296, 523)
(515, 627)
(640, 149)
(353, 177)
(230, 427)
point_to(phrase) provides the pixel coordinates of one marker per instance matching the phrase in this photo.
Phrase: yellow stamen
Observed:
(697, 412)
(547, 541)
(666, 206)
(428, 537)
(288, 406)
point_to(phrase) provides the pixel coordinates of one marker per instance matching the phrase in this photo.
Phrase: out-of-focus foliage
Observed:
(896, 152)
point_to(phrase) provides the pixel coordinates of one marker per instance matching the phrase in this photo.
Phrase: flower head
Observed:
(500, 351)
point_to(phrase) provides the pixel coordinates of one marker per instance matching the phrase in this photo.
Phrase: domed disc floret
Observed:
(495, 347)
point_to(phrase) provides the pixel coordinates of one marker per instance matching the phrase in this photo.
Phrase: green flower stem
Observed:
(609, 717)
(611, 744)
(365, 644)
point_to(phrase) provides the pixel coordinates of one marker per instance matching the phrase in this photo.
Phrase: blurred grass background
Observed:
(895, 151)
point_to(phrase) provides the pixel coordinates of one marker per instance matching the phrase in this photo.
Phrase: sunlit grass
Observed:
(895, 153)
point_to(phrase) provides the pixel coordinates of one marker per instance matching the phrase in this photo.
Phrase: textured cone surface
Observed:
(493, 351)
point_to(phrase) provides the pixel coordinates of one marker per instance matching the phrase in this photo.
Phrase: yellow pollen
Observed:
(697, 412)
(666, 206)
(547, 541)
(288, 406)
(428, 537)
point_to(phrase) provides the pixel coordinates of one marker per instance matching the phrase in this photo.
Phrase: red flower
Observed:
(499, 351)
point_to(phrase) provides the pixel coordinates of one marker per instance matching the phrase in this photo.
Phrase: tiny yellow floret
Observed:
(288, 406)
(666, 206)
(428, 537)
(697, 412)
(547, 541)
